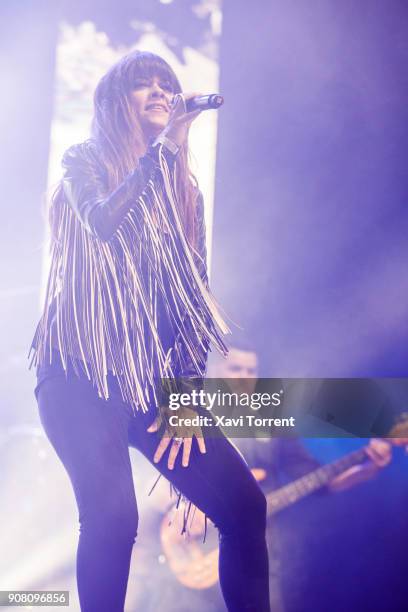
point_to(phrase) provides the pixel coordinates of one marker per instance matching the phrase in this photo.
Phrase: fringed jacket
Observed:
(123, 276)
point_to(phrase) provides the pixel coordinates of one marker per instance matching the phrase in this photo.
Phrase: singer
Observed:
(128, 302)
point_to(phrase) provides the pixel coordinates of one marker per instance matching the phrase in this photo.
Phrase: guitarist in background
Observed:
(275, 459)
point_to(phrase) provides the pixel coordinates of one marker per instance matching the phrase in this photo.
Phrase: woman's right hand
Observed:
(179, 120)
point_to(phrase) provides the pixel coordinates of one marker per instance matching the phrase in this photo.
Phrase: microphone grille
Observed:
(216, 101)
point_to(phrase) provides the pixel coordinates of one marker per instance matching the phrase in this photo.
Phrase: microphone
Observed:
(204, 102)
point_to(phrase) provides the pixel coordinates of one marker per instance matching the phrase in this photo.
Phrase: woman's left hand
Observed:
(177, 436)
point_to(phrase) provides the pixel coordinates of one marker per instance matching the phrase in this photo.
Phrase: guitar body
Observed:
(194, 563)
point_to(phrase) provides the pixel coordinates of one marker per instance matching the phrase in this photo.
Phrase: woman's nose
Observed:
(156, 90)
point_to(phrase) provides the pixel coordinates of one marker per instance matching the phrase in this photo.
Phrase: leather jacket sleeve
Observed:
(83, 183)
(102, 212)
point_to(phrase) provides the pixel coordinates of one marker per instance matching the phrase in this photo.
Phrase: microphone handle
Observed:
(204, 102)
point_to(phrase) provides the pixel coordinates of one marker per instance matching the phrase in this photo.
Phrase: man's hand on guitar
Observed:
(379, 454)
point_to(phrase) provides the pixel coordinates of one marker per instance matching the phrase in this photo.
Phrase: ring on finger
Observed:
(178, 440)
(178, 98)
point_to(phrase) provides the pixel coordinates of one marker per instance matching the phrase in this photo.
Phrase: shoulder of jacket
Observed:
(82, 152)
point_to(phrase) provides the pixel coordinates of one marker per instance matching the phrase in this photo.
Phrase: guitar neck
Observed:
(296, 490)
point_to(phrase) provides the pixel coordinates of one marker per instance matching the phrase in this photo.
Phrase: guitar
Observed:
(195, 563)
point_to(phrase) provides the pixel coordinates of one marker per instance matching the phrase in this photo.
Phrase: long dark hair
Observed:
(118, 135)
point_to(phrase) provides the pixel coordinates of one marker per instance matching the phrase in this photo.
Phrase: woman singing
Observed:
(127, 305)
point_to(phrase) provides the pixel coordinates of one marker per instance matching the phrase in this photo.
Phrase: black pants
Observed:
(92, 437)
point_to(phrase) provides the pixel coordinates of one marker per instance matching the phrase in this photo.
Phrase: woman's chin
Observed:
(153, 128)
